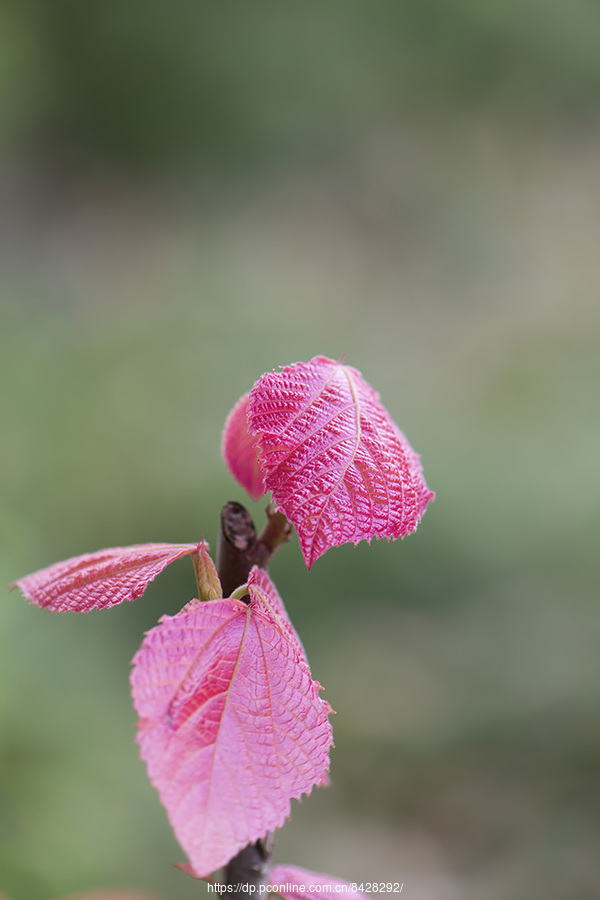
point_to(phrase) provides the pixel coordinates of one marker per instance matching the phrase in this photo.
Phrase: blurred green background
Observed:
(192, 194)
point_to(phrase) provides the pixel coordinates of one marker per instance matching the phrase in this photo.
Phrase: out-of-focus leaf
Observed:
(240, 450)
(294, 883)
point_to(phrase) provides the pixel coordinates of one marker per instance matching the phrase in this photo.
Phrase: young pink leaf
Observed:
(295, 883)
(338, 466)
(100, 580)
(240, 451)
(231, 722)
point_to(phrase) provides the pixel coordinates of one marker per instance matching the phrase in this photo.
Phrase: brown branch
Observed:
(238, 549)
(252, 865)
(237, 539)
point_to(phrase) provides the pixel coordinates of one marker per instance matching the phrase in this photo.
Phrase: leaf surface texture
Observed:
(100, 580)
(231, 722)
(339, 468)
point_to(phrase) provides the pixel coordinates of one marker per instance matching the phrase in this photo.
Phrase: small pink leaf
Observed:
(100, 580)
(340, 469)
(231, 722)
(240, 450)
(295, 883)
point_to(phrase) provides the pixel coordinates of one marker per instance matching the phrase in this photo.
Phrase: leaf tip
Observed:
(207, 579)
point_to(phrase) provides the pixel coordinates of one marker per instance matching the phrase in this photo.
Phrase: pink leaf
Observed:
(262, 588)
(100, 580)
(240, 450)
(231, 722)
(340, 469)
(294, 883)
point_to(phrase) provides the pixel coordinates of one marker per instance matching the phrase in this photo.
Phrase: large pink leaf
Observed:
(231, 722)
(295, 883)
(262, 587)
(338, 466)
(240, 450)
(100, 580)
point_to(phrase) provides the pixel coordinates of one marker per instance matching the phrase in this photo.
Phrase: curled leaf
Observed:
(339, 468)
(100, 580)
(240, 450)
(231, 722)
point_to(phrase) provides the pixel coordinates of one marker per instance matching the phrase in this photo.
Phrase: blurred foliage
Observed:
(192, 194)
(165, 81)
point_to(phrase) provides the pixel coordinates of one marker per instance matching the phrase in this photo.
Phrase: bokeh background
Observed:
(193, 194)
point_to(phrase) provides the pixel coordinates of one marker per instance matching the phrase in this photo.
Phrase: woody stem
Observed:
(239, 548)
